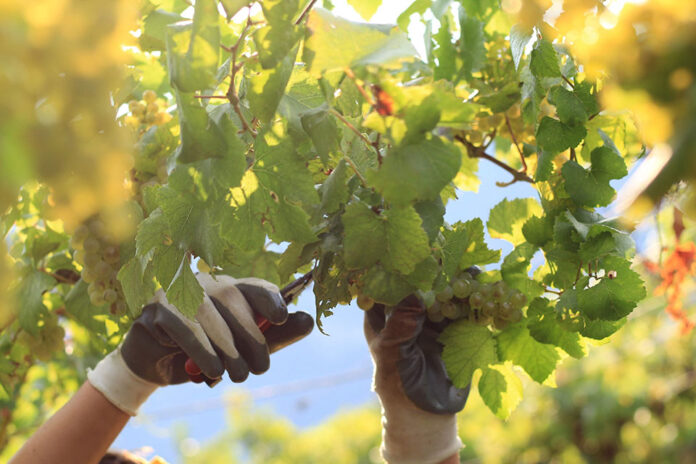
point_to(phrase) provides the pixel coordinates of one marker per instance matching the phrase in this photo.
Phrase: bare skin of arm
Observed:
(80, 432)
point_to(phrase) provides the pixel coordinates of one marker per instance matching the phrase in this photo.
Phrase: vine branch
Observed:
(479, 152)
(354, 129)
(517, 145)
(305, 12)
(231, 94)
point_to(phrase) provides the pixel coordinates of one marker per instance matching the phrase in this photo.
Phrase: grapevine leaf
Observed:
(274, 41)
(207, 135)
(569, 107)
(612, 298)
(585, 92)
(267, 87)
(446, 53)
(231, 7)
(472, 48)
(538, 230)
(507, 217)
(517, 345)
(193, 224)
(544, 327)
(154, 30)
(364, 236)
(365, 8)
(137, 284)
(544, 61)
(554, 136)
(544, 167)
(519, 38)
(258, 263)
(466, 347)
(193, 49)
(416, 172)
(476, 250)
(320, 125)
(407, 243)
(424, 274)
(432, 215)
(591, 187)
(334, 191)
(417, 6)
(165, 264)
(515, 270)
(500, 390)
(79, 306)
(336, 43)
(185, 292)
(151, 234)
(599, 329)
(30, 298)
(385, 287)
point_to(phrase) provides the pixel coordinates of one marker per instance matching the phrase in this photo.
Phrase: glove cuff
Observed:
(413, 436)
(113, 379)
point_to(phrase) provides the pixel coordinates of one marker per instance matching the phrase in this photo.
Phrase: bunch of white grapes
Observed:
(150, 111)
(481, 303)
(467, 298)
(47, 342)
(100, 258)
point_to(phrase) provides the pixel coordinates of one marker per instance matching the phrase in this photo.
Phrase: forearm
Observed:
(80, 432)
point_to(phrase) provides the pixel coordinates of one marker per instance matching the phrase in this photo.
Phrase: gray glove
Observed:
(418, 399)
(223, 336)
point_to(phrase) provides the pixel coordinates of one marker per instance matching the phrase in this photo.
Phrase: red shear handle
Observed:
(194, 372)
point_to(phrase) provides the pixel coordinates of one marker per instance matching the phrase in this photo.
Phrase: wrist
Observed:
(113, 379)
(411, 435)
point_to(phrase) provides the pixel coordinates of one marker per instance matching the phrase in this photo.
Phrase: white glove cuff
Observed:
(413, 436)
(125, 390)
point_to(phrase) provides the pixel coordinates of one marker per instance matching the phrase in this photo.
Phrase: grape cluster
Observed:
(100, 258)
(47, 342)
(481, 303)
(150, 111)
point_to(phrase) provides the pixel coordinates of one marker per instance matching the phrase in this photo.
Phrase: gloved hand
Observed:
(223, 336)
(418, 399)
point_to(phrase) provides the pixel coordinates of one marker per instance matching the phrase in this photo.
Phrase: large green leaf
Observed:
(193, 49)
(335, 43)
(467, 347)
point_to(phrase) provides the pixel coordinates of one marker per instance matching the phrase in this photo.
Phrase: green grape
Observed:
(118, 308)
(79, 256)
(499, 291)
(516, 316)
(112, 254)
(88, 275)
(489, 308)
(149, 96)
(91, 259)
(110, 295)
(436, 307)
(97, 298)
(500, 323)
(461, 288)
(518, 299)
(506, 308)
(102, 270)
(487, 291)
(365, 302)
(436, 317)
(445, 295)
(91, 245)
(476, 300)
(450, 310)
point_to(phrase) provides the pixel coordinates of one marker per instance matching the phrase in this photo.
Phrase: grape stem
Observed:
(305, 12)
(232, 89)
(517, 145)
(480, 152)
